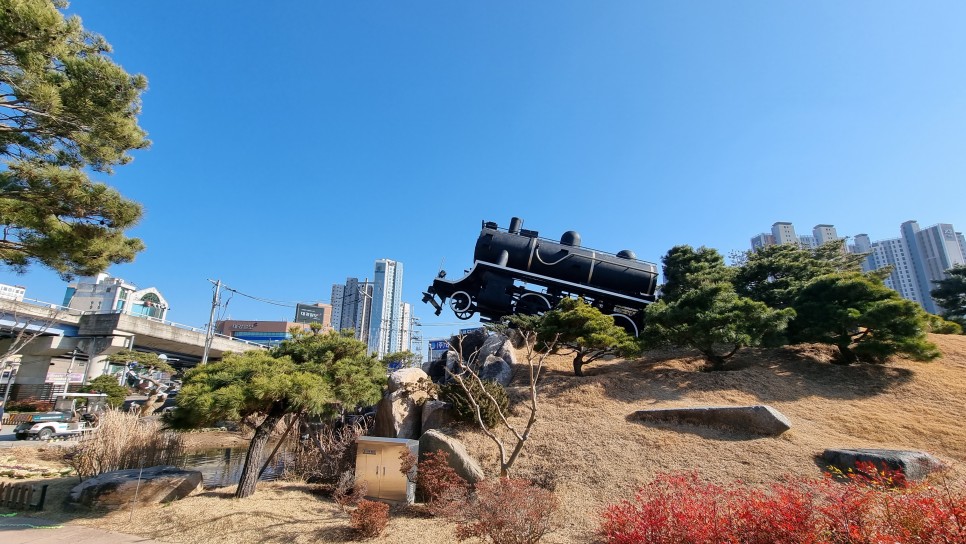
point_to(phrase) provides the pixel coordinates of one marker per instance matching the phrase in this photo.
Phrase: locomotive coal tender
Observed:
(517, 272)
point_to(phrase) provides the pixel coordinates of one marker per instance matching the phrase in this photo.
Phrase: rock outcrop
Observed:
(757, 419)
(436, 414)
(118, 489)
(459, 459)
(915, 465)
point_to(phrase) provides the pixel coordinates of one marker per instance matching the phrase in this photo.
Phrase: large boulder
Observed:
(495, 344)
(118, 489)
(436, 415)
(915, 465)
(405, 377)
(459, 459)
(397, 416)
(757, 419)
(495, 369)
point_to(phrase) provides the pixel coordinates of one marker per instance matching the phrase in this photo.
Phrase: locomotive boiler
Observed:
(517, 272)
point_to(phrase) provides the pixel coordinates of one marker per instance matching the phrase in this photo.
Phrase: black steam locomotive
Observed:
(517, 272)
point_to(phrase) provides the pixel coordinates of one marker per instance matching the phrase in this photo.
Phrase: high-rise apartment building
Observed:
(352, 307)
(387, 320)
(919, 257)
(784, 233)
(934, 250)
(824, 234)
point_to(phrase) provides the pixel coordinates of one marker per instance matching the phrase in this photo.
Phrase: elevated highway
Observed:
(72, 346)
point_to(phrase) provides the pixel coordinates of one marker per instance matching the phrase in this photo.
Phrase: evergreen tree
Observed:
(585, 332)
(863, 318)
(775, 274)
(313, 374)
(700, 309)
(66, 109)
(950, 294)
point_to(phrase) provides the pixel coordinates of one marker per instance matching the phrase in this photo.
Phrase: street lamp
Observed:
(11, 369)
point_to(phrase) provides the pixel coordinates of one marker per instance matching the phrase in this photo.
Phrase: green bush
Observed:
(463, 409)
(108, 385)
(937, 325)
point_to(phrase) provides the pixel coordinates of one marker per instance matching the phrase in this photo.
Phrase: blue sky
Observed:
(297, 142)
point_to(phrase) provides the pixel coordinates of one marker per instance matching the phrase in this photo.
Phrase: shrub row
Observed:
(875, 508)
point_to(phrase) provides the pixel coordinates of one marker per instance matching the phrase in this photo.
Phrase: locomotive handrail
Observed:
(552, 241)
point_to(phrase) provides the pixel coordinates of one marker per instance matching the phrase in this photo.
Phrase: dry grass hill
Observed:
(588, 449)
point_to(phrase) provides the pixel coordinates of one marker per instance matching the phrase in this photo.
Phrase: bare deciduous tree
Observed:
(510, 450)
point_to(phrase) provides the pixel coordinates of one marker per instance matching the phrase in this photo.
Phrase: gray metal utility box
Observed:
(378, 463)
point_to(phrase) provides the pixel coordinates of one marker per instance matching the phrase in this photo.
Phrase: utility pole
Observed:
(210, 334)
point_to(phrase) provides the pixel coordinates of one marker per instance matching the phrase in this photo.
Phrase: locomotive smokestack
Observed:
(515, 225)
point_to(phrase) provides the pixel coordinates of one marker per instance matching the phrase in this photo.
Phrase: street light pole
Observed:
(210, 334)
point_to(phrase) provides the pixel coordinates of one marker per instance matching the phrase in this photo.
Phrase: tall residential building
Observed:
(895, 253)
(784, 233)
(102, 294)
(934, 250)
(384, 328)
(807, 241)
(824, 234)
(762, 240)
(352, 307)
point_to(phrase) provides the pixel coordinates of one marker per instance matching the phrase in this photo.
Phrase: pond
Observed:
(223, 466)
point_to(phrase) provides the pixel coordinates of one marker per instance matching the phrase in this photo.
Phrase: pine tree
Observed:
(66, 109)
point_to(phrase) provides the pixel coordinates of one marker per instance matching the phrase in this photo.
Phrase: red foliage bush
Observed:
(872, 506)
(370, 518)
(443, 490)
(509, 511)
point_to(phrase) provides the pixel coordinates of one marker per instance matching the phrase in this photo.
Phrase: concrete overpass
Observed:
(71, 345)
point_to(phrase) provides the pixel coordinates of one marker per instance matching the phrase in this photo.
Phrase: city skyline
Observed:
(642, 126)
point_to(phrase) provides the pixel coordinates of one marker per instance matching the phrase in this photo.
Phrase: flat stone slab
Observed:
(120, 488)
(915, 465)
(757, 419)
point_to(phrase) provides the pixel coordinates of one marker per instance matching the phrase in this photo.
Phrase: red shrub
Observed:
(370, 518)
(509, 511)
(872, 507)
(444, 491)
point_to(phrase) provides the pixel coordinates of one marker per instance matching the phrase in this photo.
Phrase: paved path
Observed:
(24, 530)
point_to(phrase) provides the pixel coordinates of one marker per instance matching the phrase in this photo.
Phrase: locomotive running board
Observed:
(548, 282)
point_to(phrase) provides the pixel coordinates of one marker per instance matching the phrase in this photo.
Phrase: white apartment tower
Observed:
(784, 233)
(824, 234)
(934, 250)
(385, 326)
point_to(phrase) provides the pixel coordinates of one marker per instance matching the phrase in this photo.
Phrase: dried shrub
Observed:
(871, 505)
(121, 441)
(29, 405)
(442, 489)
(369, 519)
(324, 453)
(463, 409)
(509, 511)
(349, 492)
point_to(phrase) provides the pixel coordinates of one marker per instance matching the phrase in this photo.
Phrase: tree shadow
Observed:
(721, 434)
(769, 375)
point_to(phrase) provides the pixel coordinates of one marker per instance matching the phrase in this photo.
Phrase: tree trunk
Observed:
(846, 355)
(579, 365)
(717, 362)
(249, 475)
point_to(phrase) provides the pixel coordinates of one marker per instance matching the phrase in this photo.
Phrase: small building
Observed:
(12, 292)
(266, 333)
(104, 294)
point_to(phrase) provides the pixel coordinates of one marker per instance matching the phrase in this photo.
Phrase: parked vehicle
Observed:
(73, 414)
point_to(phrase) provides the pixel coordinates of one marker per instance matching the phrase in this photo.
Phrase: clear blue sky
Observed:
(297, 142)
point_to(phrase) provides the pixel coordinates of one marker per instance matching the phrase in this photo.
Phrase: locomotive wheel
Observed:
(462, 305)
(532, 304)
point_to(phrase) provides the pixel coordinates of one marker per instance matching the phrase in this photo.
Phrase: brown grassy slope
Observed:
(594, 455)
